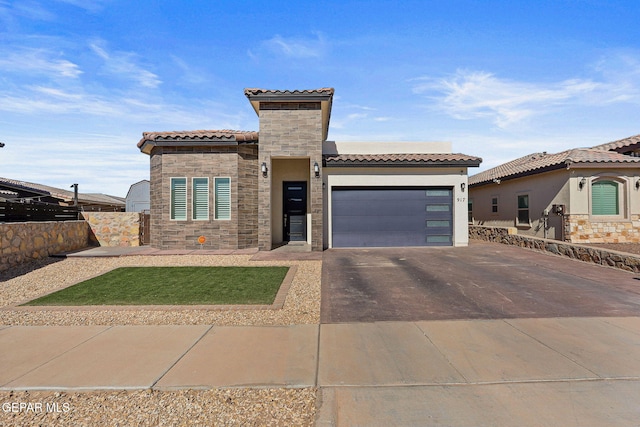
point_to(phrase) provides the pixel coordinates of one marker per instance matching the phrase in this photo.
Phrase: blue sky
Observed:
(80, 80)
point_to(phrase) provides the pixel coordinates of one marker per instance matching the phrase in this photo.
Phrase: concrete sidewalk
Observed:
(526, 372)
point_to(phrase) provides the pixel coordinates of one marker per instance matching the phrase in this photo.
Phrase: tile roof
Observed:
(200, 135)
(542, 162)
(256, 91)
(620, 144)
(427, 159)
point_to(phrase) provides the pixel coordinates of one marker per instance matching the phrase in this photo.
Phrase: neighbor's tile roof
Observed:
(542, 162)
(428, 159)
(257, 91)
(619, 144)
(200, 135)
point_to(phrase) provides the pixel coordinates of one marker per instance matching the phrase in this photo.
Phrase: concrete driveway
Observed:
(482, 281)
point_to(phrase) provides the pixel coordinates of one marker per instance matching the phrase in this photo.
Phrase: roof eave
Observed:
(399, 164)
(148, 145)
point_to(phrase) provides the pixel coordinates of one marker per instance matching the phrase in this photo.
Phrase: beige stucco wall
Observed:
(395, 147)
(562, 187)
(403, 176)
(285, 170)
(544, 190)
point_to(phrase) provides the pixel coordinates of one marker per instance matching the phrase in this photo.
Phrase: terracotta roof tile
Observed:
(256, 91)
(200, 135)
(620, 144)
(539, 162)
(428, 159)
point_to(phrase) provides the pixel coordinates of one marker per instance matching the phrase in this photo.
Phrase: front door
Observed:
(295, 211)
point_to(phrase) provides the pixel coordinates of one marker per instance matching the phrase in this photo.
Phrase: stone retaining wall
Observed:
(509, 236)
(28, 241)
(114, 228)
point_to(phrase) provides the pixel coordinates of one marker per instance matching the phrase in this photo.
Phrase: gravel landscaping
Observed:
(238, 406)
(302, 305)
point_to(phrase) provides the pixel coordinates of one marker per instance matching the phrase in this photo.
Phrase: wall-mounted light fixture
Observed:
(264, 169)
(582, 183)
(638, 184)
(316, 169)
(463, 186)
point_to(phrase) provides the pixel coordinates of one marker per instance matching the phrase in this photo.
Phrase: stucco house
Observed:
(287, 183)
(582, 195)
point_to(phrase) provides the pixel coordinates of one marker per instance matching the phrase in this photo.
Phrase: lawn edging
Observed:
(509, 236)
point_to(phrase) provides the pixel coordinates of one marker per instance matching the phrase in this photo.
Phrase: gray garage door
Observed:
(391, 216)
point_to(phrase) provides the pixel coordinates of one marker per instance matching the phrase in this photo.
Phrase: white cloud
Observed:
(123, 64)
(88, 5)
(294, 47)
(477, 95)
(505, 102)
(38, 61)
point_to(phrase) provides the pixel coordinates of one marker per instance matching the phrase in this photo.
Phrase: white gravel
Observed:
(228, 407)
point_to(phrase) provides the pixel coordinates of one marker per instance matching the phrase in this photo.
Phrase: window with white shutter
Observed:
(200, 198)
(222, 198)
(179, 199)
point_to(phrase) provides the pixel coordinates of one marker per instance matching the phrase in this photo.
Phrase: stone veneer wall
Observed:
(290, 130)
(114, 228)
(509, 236)
(236, 162)
(580, 229)
(21, 242)
(247, 197)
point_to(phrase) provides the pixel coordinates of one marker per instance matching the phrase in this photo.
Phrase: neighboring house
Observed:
(139, 196)
(287, 183)
(28, 192)
(583, 195)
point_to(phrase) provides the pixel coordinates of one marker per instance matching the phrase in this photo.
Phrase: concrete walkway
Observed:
(525, 372)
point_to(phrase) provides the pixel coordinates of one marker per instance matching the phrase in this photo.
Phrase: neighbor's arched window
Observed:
(605, 198)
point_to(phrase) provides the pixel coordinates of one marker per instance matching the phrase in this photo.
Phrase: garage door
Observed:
(391, 216)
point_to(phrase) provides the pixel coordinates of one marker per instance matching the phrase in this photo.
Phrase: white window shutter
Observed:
(223, 198)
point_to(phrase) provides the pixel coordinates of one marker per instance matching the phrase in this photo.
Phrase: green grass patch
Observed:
(173, 286)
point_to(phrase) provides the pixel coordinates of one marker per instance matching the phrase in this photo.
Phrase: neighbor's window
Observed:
(223, 198)
(523, 209)
(494, 205)
(179, 198)
(605, 198)
(200, 198)
(470, 211)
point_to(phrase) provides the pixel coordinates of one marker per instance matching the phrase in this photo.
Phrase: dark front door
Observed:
(295, 211)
